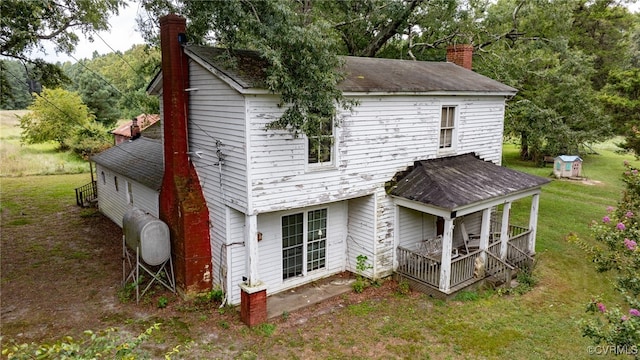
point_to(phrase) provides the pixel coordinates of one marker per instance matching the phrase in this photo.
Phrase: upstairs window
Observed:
(447, 127)
(320, 145)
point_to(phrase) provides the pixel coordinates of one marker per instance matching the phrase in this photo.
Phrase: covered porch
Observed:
(454, 223)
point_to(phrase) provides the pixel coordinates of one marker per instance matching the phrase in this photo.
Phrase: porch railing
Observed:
(513, 230)
(497, 268)
(518, 258)
(462, 268)
(426, 270)
(418, 267)
(86, 194)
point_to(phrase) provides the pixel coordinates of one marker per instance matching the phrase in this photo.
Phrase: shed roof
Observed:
(456, 181)
(362, 74)
(140, 160)
(569, 158)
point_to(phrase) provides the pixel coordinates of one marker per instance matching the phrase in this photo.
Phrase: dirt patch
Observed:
(62, 275)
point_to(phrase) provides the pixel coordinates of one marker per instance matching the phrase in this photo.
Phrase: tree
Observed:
(556, 109)
(14, 86)
(621, 97)
(603, 29)
(300, 48)
(25, 24)
(54, 116)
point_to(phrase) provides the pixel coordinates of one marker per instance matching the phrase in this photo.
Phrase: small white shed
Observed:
(567, 166)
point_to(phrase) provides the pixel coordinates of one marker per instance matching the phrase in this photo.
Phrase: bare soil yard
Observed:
(62, 273)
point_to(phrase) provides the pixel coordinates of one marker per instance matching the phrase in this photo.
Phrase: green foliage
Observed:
(24, 25)
(104, 344)
(616, 249)
(89, 140)
(162, 302)
(54, 116)
(300, 48)
(466, 296)
(361, 282)
(265, 329)
(113, 85)
(403, 288)
(621, 98)
(14, 91)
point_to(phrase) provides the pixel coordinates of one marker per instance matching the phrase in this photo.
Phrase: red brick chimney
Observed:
(135, 129)
(182, 203)
(460, 55)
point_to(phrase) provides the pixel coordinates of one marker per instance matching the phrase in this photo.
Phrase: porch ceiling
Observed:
(458, 181)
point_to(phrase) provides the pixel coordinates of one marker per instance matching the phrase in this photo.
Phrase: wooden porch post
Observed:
(533, 221)
(445, 261)
(253, 293)
(504, 231)
(484, 233)
(251, 250)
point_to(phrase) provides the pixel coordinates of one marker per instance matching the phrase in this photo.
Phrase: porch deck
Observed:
(424, 271)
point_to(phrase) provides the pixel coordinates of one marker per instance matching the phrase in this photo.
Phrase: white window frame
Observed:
(305, 243)
(453, 128)
(333, 151)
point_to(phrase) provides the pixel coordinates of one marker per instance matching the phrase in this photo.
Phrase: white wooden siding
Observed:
(361, 231)
(270, 249)
(414, 227)
(236, 254)
(385, 236)
(381, 137)
(114, 203)
(217, 126)
(217, 130)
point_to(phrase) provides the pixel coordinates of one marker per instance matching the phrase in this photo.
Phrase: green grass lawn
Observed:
(17, 159)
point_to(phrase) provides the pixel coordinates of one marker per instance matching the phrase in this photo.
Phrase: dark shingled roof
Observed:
(456, 181)
(140, 160)
(363, 74)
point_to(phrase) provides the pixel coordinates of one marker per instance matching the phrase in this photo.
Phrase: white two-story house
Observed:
(416, 162)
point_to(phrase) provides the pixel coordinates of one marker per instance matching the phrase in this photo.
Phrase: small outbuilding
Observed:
(567, 166)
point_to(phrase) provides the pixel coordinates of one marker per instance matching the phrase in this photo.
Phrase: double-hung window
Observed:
(320, 144)
(447, 128)
(304, 243)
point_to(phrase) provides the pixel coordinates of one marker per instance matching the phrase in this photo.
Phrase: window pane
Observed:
(321, 145)
(316, 239)
(447, 125)
(292, 245)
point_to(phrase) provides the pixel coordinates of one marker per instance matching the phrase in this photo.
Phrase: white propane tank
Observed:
(149, 233)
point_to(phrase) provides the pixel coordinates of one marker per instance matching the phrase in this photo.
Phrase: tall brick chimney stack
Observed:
(461, 55)
(135, 129)
(182, 203)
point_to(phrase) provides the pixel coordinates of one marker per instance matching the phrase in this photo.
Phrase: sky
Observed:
(121, 37)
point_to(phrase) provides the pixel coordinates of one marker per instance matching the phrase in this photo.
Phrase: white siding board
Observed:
(362, 231)
(217, 123)
(114, 203)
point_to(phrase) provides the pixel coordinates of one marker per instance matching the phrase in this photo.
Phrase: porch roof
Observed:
(456, 181)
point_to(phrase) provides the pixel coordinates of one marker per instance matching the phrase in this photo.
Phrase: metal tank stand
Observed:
(162, 273)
